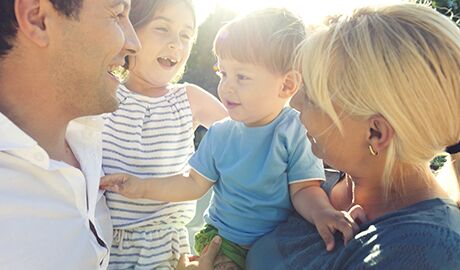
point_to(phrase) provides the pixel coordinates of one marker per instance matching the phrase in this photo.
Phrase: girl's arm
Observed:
(206, 109)
(169, 189)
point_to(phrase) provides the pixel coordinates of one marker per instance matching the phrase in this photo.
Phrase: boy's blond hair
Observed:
(401, 62)
(267, 38)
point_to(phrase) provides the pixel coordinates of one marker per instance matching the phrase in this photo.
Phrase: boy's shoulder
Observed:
(290, 126)
(222, 125)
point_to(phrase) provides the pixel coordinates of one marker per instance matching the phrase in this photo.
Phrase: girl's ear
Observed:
(380, 133)
(291, 83)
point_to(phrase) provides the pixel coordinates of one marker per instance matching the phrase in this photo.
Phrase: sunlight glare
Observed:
(310, 10)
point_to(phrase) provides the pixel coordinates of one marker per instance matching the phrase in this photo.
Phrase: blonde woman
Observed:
(381, 99)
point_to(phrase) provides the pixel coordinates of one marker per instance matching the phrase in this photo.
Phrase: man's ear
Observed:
(31, 16)
(380, 133)
(291, 83)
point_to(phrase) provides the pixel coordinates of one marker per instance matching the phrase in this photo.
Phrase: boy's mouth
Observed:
(231, 105)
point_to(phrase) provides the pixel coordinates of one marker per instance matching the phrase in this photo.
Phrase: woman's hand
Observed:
(125, 184)
(205, 261)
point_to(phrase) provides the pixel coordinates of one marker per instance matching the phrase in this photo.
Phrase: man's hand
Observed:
(205, 261)
(125, 184)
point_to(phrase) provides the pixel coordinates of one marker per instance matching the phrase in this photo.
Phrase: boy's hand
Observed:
(328, 221)
(125, 184)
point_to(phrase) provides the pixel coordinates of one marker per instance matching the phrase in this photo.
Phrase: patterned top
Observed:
(425, 235)
(148, 137)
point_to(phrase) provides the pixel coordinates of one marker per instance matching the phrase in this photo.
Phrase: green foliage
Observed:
(200, 66)
(438, 162)
(450, 8)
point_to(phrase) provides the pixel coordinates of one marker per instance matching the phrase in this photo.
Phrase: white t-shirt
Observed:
(47, 207)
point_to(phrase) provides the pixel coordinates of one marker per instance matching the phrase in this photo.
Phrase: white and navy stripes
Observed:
(149, 137)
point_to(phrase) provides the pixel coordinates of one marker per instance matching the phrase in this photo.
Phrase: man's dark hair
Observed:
(9, 24)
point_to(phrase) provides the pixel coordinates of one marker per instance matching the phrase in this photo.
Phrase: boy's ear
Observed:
(380, 133)
(31, 16)
(291, 83)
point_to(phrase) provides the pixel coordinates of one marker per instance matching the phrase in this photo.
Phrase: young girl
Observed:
(151, 135)
(259, 162)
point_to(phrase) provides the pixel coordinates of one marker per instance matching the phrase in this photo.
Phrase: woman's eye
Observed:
(309, 102)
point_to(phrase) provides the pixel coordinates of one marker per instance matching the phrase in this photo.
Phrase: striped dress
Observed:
(148, 137)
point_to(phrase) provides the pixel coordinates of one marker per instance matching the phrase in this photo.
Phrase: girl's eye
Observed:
(186, 37)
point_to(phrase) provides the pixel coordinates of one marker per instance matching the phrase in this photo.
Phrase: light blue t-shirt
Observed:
(252, 168)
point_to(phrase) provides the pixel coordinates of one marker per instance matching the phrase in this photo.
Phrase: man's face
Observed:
(83, 53)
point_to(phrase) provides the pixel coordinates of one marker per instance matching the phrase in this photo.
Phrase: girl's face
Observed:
(166, 44)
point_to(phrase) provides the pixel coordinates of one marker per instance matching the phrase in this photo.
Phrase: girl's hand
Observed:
(125, 184)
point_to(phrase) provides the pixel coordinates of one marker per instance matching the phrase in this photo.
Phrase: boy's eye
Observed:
(242, 77)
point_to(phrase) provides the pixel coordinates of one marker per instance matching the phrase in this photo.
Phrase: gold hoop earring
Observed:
(373, 152)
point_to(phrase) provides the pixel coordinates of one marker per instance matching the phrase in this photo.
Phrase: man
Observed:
(57, 58)
(56, 63)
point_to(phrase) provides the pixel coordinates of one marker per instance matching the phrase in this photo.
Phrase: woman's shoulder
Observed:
(425, 235)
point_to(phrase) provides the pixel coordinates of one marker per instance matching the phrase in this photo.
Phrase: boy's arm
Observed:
(169, 189)
(313, 204)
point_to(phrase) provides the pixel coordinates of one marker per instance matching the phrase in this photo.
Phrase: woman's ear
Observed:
(31, 15)
(380, 133)
(291, 83)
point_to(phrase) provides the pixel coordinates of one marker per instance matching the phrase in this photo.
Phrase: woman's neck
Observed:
(376, 202)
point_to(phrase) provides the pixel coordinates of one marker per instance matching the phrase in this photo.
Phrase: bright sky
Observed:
(310, 10)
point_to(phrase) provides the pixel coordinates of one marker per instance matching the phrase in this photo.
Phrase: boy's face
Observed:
(251, 93)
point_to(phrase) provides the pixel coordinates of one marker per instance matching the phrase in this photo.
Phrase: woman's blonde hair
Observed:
(401, 62)
(266, 37)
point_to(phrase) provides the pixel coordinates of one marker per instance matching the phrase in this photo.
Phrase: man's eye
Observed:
(119, 17)
(161, 29)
